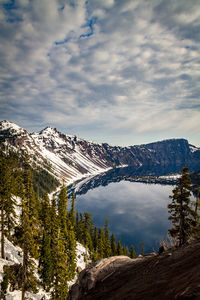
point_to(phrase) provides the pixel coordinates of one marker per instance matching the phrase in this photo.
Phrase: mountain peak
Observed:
(7, 125)
(48, 131)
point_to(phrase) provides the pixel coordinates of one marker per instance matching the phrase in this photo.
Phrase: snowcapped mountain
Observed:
(73, 158)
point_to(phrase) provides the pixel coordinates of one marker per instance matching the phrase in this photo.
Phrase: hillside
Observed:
(72, 158)
(174, 274)
(14, 258)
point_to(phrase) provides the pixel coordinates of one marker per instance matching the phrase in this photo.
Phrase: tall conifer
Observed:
(113, 245)
(60, 272)
(101, 243)
(119, 248)
(71, 239)
(46, 262)
(6, 200)
(107, 246)
(181, 212)
(132, 252)
(29, 229)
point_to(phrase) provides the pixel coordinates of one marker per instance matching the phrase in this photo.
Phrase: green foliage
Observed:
(107, 246)
(113, 245)
(45, 261)
(67, 229)
(126, 251)
(62, 210)
(29, 225)
(60, 274)
(119, 248)
(101, 243)
(182, 213)
(43, 182)
(132, 252)
(72, 212)
(47, 230)
(7, 203)
(71, 240)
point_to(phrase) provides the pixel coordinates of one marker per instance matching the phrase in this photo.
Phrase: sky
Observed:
(124, 72)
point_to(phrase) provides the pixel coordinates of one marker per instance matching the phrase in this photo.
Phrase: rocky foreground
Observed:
(175, 274)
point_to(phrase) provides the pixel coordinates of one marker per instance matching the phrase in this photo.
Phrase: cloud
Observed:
(101, 68)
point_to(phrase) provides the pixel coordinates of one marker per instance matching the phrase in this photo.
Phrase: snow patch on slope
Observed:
(67, 158)
(14, 255)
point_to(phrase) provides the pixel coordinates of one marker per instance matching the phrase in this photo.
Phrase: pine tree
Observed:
(94, 253)
(29, 230)
(29, 205)
(126, 251)
(80, 229)
(60, 272)
(107, 246)
(60, 276)
(45, 261)
(77, 225)
(62, 209)
(95, 238)
(88, 231)
(71, 250)
(132, 252)
(119, 248)
(54, 229)
(113, 244)
(72, 212)
(6, 200)
(100, 243)
(71, 239)
(182, 213)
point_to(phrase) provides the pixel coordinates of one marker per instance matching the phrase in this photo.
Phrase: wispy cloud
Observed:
(125, 72)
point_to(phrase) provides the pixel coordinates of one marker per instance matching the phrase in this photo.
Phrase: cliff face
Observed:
(174, 274)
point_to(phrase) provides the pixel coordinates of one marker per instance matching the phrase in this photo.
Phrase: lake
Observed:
(137, 212)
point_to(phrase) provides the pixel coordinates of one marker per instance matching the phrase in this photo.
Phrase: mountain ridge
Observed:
(73, 158)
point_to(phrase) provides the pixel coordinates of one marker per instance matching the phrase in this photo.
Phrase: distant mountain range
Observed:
(73, 158)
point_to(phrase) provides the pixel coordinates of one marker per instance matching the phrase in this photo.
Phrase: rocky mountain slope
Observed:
(175, 274)
(73, 158)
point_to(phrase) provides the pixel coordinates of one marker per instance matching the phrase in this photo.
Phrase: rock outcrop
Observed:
(174, 274)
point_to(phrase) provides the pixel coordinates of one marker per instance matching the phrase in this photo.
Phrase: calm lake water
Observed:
(137, 212)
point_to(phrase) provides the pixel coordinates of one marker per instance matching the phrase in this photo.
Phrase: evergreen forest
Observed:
(47, 229)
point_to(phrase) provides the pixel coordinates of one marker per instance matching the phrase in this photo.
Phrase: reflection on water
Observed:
(137, 212)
